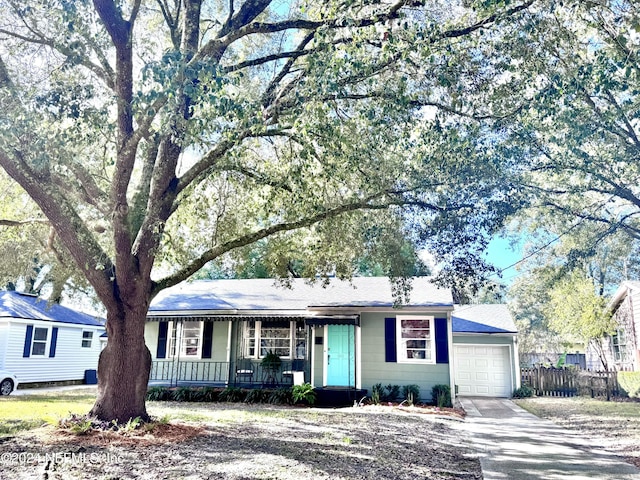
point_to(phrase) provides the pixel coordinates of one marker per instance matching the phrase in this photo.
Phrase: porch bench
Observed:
(244, 374)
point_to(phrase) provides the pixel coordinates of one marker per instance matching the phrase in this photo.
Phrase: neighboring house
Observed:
(343, 337)
(46, 343)
(622, 349)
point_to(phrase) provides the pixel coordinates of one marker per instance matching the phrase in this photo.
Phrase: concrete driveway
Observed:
(514, 444)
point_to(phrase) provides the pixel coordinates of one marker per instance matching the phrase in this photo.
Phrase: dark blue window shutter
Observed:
(391, 354)
(54, 341)
(442, 341)
(207, 341)
(27, 341)
(163, 328)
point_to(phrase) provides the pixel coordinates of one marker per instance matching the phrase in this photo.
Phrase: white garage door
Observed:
(482, 370)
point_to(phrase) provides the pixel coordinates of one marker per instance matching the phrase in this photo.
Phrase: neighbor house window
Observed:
(185, 339)
(87, 338)
(619, 346)
(282, 337)
(415, 335)
(39, 344)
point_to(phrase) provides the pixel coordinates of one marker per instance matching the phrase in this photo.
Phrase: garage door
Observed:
(482, 370)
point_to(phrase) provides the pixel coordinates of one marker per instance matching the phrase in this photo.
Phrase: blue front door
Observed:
(340, 356)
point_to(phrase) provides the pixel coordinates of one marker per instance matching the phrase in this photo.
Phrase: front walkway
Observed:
(514, 444)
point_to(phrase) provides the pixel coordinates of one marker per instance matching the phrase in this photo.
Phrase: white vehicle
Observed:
(8, 382)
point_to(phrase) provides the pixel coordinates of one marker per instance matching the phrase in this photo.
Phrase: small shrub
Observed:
(303, 393)
(281, 396)
(377, 393)
(181, 394)
(257, 395)
(525, 391)
(232, 395)
(158, 394)
(392, 392)
(630, 383)
(411, 393)
(132, 424)
(210, 394)
(441, 395)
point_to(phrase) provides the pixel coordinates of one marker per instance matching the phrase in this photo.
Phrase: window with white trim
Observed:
(415, 339)
(619, 346)
(185, 339)
(39, 342)
(281, 337)
(87, 339)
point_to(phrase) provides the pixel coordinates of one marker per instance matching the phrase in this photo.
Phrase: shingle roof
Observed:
(265, 294)
(489, 318)
(30, 307)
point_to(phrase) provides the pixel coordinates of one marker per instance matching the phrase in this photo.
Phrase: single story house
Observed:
(346, 336)
(42, 343)
(622, 349)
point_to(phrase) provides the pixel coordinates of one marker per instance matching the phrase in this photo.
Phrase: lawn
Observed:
(23, 412)
(235, 441)
(611, 425)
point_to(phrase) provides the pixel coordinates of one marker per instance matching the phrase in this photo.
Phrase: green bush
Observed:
(232, 395)
(281, 396)
(630, 383)
(392, 392)
(257, 395)
(411, 393)
(303, 393)
(181, 394)
(158, 394)
(525, 391)
(441, 395)
(377, 392)
(210, 394)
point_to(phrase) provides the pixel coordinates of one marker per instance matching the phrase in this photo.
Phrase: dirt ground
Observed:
(253, 442)
(614, 426)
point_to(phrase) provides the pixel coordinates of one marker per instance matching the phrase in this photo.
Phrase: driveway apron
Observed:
(514, 444)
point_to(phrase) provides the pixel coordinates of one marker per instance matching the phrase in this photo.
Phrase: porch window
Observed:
(281, 337)
(185, 339)
(619, 346)
(415, 339)
(39, 345)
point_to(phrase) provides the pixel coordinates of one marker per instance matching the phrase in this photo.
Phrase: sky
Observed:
(502, 255)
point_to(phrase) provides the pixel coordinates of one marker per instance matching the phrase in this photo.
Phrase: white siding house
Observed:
(46, 343)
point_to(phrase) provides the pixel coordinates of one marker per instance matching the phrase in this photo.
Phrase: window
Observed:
(281, 337)
(619, 346)
(185, 339)
(87, 338)
(39, 344)
(415, 339)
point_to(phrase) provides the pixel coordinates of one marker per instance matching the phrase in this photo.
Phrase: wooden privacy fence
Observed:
(569, 382)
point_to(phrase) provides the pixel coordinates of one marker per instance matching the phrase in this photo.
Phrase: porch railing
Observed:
(244, 373)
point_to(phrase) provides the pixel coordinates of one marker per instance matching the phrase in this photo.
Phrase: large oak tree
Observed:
(157, 136)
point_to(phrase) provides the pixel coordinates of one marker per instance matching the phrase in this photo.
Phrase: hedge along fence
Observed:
(570, 382)
(630, 383)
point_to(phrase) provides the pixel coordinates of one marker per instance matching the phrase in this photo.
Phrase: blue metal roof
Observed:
(30, 307)
(485, 318)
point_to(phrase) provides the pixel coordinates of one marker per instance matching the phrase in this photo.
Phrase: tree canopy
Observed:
(158, 136)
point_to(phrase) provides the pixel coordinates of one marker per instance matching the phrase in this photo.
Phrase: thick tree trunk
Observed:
(123, 369)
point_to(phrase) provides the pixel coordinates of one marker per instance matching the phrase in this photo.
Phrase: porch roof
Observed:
(264, 296)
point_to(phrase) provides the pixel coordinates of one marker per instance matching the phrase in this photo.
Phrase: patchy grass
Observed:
(18, 413)
(611, 425)
(240, 441)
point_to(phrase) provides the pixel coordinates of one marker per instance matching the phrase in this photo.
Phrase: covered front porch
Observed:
(244, 373)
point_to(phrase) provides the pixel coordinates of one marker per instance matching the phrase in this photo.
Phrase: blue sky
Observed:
(502, 255)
